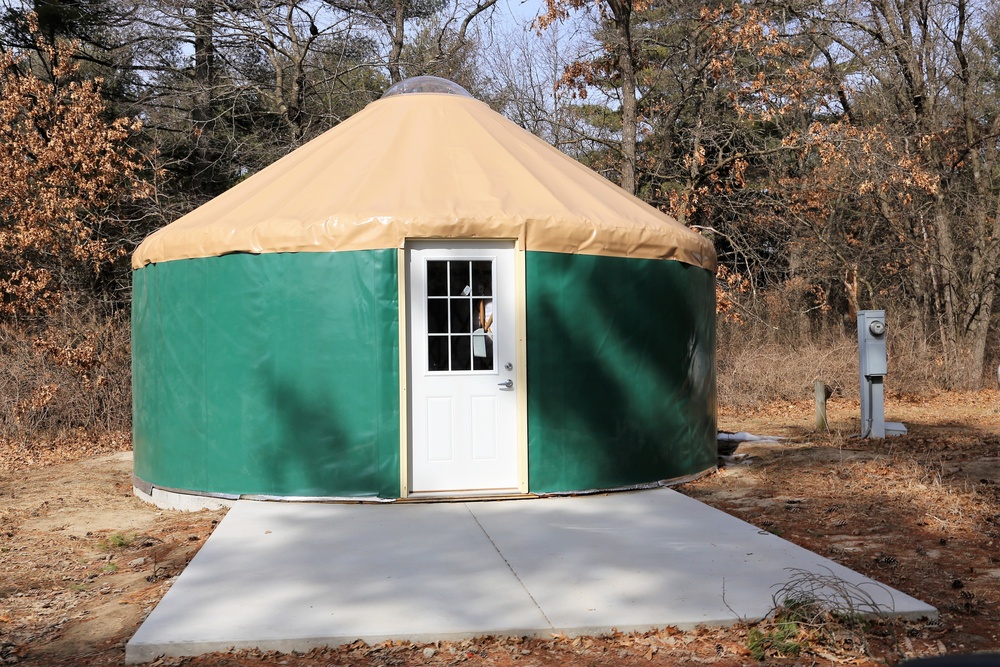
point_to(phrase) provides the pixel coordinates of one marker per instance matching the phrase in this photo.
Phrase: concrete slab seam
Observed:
(509, 567)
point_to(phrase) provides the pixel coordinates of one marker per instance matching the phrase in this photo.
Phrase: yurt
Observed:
(426, 301)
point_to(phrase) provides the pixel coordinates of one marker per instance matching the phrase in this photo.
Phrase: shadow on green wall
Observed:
(272, 374)
(319, 450)
(621, 371)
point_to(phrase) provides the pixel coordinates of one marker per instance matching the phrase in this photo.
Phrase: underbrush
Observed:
(67, 379)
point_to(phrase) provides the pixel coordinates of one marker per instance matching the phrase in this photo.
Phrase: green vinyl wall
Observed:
(268, 374)
(621, 371)
(278, 374)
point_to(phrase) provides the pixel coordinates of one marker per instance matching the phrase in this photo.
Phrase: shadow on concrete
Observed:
(287, 577)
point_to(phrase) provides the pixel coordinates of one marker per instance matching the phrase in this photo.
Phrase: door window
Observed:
(460, 315)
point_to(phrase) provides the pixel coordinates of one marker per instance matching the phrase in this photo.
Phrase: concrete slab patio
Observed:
(292, 576)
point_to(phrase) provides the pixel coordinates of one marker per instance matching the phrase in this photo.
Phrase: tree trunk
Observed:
(201, 100)
(945, 264)
(397, 34)
(985, 266)
(982, 158)
(622, 16)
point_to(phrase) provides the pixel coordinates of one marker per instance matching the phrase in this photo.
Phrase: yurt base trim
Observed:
(182, 502)
(632, 487)
(192, 501)
(147, 488)
(195, 501)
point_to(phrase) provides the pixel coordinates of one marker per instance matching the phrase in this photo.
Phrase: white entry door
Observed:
(463, 393)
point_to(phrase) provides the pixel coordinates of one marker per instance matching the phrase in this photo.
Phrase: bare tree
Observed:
(617, 16)
(923, 73)
(523, 69)
(390, 18)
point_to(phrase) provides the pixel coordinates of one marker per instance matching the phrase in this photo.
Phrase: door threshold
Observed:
(462, 497)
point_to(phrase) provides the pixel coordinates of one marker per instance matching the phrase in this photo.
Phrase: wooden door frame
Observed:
(520, 344)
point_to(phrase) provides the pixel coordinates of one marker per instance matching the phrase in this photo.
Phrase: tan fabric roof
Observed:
(426, 166)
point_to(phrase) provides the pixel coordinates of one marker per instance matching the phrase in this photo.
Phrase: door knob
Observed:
(508, 384)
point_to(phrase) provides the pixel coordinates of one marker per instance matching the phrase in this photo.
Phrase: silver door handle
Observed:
(508, 384)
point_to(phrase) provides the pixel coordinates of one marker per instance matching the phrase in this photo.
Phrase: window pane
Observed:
(482, 352)
(461, 315)
(437, 278)
(437, 353)
(437, 316)
(461, 353)
(482, 278)
(461, 284)
(483, 315)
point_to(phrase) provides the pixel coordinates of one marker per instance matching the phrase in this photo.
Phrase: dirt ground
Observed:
(82, 561)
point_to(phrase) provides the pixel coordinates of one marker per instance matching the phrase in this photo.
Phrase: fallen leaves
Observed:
(17, 455)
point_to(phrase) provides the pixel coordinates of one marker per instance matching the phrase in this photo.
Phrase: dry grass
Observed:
(753, 372)
(760, 363)
(919, 487)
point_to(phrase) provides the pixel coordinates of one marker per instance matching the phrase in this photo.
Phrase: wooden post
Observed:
(819, 389)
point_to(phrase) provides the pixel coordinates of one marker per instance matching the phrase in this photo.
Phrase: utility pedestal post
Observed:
(872, 364)
(873, 367)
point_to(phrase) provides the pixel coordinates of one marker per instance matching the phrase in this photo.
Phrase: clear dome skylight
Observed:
(426, 84)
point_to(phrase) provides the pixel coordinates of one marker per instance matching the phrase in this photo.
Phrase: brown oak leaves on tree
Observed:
(64, 173)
